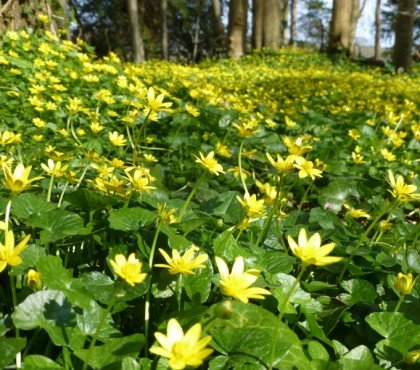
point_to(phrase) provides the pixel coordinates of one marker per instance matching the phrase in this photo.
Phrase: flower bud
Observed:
(404, 283)
(34, 280)
(223, 309)
(412, 357)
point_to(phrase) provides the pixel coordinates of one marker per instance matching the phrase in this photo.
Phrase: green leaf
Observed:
(99, 285)
(225, 246)
(9, 348)
(90, 200)
(27, 204)
(299, 296)
(225, 206)
(130, 219)
(198, 286)
(55, 276)
(112, 352)
(358, 358)
(400, 333)
(39, 362)
(324, 218)
(333, 196)
(317, 351)
(48, 309)
(175, 241)
(249, 331)
(359, 291)
(56, 224)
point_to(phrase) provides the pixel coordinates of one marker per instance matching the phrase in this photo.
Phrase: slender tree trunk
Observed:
(138, 46)
(293, 18)
(217, 11)
(378, 30)
(355, 14)
(257, 24)
(164, 29)
(284, 20)
(64, 23)
(197, 33)
(340, 26)
(404, 34)
(272, 23)
(237, 23)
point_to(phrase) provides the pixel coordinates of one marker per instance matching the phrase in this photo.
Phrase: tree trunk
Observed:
(12, 16)
(378, 30)
(404, 34)
(257, 24)
(293, 18)
(340, 26)
(138, 46)
(237, 26)
(355, 14)
(164, 29)
(219, 24)
(196, 39)
(284, 18)
(272, 23)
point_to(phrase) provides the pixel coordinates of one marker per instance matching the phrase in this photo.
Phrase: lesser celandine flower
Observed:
(9, 253)
(404, 283)
(237, 283)
(128, 268)
(401, 191)
(210, 163)
(34, 280)
(254, 208)
(18, 180)
(356, 213)
(55, 169)
(280, 164)
(181, 349)
(117, 139)
(306, 168)
(156, 103)
(185, 264)
(310, 251)
(296, 147)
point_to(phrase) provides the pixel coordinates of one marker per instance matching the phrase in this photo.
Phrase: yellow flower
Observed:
(192, 110)
(139, 179)
(289, 122)
(269, 191)
(210, 163)
(412, 357)
(181, 349)
(400, 190)
(223, 150)
(184, 264)
(384, 225)
(116, 139)
(356, 213)
(55, 168)
(96, 127)
(237, 283)
(357, 158)
(404, 283)
(9, 254)
(8, 137)
(34, 280)
(246, 129)
(296, 147)
(310, 251)
(389, 156)
(18, 180)
(166, 215)
(306, 168)
(282, 165)
(254, 208)
(155, 103)
(354, 134)
(129, 269)
(150, 157)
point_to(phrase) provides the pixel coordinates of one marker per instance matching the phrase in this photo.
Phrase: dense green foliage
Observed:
(123, 173)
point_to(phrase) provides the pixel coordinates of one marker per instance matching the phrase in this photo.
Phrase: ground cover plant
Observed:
(258, 214)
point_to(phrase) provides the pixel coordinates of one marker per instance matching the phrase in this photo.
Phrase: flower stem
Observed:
(273, 211)
(14, 298)
(194, 189)
(305, 195)
(101, 323)
(281, 313)
(362, 238)
(147, 302)
(401, 300)
(50, 188)
(241, 173)
(62, 195)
